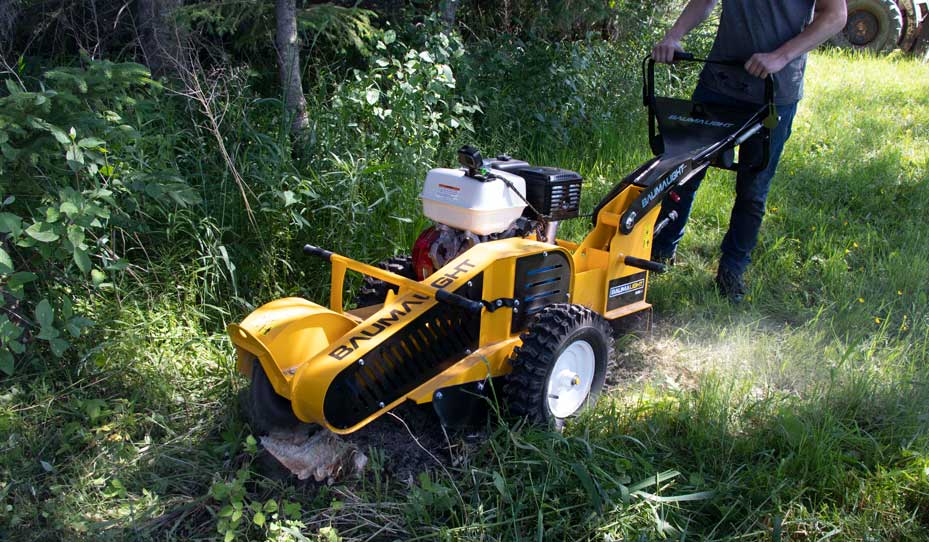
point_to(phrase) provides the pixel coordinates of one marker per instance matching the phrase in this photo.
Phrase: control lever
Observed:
(648, 265)
(672, 216)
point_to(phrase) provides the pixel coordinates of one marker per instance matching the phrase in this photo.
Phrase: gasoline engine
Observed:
(488, 200)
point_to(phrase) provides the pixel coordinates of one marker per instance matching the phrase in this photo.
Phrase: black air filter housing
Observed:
(554, 192)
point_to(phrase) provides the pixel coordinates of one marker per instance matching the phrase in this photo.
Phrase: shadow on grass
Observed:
(852, 452)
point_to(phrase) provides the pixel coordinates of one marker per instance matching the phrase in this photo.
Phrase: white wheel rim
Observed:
(571, 378)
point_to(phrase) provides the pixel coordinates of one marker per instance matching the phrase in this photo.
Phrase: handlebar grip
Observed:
(769, 89)
(648, 265)
(459, 301)
(310, 250)
(683, 55)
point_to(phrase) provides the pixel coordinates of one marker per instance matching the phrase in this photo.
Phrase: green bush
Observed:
(65, 196)
(542, 94)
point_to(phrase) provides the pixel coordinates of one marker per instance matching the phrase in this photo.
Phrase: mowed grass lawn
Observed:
(802, 414)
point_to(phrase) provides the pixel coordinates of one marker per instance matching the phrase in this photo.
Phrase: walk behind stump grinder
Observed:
(490, 295)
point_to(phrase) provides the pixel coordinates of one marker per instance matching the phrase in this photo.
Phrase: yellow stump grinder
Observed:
(489, 293)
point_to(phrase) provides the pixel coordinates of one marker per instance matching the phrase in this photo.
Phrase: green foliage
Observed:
(372, 137)
(73, 200)
(404, 107)
(249, 25)
(237, 513)
(555, 20)
(432, 501)
(61, 194)
(538, 95)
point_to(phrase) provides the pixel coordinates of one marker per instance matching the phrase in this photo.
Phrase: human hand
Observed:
(663, 51)
(765, 64)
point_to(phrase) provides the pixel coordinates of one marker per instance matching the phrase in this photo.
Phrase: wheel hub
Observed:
(862, 27)
(570, 380)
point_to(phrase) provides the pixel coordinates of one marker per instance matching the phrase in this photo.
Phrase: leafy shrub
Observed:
(405, 105)
(372, 138)
(248, 26)
(556, 20)
(64, 196)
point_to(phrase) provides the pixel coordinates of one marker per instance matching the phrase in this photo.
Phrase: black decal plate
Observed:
(625, 291)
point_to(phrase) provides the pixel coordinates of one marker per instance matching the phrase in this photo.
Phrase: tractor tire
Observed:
(921, 46)
(560, 368)
(912, 13)
(373, 291)
(265, 410)
(876, 25)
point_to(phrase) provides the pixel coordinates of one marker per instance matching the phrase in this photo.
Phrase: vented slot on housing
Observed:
(541, 280)
(542, 270)
(544, 282)
(412, 355)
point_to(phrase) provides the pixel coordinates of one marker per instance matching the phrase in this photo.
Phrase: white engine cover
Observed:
(452, 198)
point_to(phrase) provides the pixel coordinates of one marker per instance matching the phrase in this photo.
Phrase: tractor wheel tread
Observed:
(548, 334)
(890, 17)
(373, 291)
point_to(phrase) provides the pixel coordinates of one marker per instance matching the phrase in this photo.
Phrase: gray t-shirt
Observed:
(747, 27)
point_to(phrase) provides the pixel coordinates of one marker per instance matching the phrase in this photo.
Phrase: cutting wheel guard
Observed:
(687, 137)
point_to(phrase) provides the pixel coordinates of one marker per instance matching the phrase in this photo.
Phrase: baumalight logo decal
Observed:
(621, 289)
(378, 326)
(704, 122)
(449, 277)
(668, 181)
(375, 329)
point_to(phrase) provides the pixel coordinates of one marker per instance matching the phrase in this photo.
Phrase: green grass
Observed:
(800, 415)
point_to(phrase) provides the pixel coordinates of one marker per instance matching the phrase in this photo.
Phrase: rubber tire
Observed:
(890, 19)
(373, 291)
(265, 409)
(910, 26)
(549, 334)
(921, 45)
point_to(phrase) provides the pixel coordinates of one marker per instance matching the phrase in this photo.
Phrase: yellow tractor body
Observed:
(342, 370)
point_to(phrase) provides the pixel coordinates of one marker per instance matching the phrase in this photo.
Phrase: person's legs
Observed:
(751, 191)
(665, 243)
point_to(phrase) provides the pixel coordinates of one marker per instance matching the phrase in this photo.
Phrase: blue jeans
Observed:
(751, 192)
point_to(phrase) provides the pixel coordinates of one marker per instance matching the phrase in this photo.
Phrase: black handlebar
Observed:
(648, 100)
(469, 305)
(310, 250)
(648, 265)
(649, 86)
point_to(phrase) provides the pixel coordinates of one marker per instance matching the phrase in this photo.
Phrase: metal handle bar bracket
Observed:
(341, 263)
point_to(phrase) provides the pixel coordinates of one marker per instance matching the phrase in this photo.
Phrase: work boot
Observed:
(730, 284)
